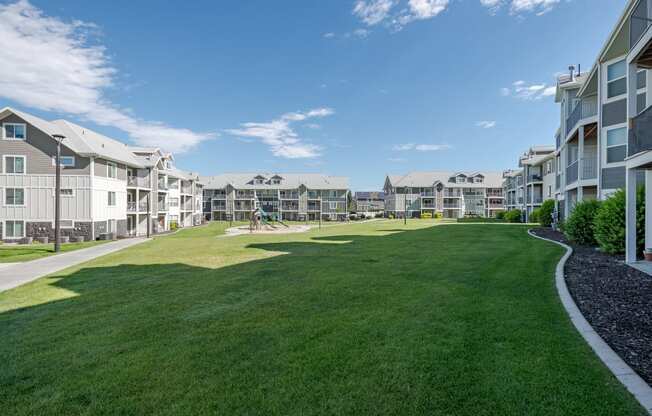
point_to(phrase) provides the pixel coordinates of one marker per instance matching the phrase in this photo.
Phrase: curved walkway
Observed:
(20, 273)
(623, 372)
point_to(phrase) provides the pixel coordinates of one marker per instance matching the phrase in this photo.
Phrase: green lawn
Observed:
(360, 319)
(19, 253)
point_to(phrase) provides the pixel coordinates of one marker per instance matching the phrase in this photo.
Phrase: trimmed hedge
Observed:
(500, 215)
(579, 225)
(609, 224)
(545, 212)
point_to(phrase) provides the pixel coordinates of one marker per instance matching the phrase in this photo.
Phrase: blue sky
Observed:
(344, 87)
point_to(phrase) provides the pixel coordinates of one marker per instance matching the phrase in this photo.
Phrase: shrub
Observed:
(609, 223)
(426, 215)
(439, 215)
(390, 216)
(513, 216)
(535, 215)
(173, 225)
(500, 215)
(545, 212)
(579, 225)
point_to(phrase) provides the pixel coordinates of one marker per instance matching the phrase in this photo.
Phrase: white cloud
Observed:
(527, 91)
(52, 65)
(373, 12)
(486, 124)
(278, 134)
(538, 7)
(329, 35)
(420, 147)
(397, 159)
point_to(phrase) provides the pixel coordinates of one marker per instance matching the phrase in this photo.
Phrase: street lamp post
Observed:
(405, 206)
(57, 194)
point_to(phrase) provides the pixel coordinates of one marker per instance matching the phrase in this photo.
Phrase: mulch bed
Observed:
(616, 300)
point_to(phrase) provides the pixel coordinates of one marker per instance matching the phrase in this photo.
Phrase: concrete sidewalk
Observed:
(16, 274)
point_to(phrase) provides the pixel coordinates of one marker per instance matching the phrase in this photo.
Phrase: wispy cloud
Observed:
(421, 147)
(52, 65)
(539, 7)
(397, 159)
(486, 124)
(279, 135)
(528, 91)
(397, 13)
(329, 35)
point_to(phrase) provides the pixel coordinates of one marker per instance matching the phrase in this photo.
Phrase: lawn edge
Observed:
(641, 391)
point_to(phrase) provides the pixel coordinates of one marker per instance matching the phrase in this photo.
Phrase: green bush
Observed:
(500, 215)
(173, 225)
(609, 224)
(513, 216)
(534, 215)
(545, 212)
(426, 215)
(579, 225)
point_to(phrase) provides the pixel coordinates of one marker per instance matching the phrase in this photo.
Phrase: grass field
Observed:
(20, 253)
(361, 319)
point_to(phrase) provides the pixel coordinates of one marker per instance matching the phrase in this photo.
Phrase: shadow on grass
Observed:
(416, 322)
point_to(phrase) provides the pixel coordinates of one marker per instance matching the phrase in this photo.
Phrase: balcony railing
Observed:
(586, 108)
(640, 135)
(452, 206)
(163, 206)
(572, 173)
(142, 206)
(534, 178)
(450, 193)
(131, 206)
(535, 199)
(137, 181)
(590, 167)
(162, 185)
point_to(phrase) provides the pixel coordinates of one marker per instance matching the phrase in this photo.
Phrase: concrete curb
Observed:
(619, 368)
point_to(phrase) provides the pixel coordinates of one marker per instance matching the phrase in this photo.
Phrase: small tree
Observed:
(579, 225)
(545, 213)
(609, 224)
(535, 215)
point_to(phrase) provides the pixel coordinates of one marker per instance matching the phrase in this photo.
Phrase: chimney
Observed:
(571, 70)
(579, 69)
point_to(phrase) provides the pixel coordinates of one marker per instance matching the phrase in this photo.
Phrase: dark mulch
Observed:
(615, 298)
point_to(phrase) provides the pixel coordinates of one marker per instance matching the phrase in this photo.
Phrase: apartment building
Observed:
(513, 189)
(285, 196)
(369, 203)
(107, 187)
(451, 194)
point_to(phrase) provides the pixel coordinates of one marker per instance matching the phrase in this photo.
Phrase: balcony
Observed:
(142, 206)
(640, 135)
(534, 178)
(586, 108)
(452, 206)
(572, 173)
(131, 206)
(535, 200)
(452, 193)
(163, 206)
(162, 185)
(590, 167)
(137, 182)
(428, 193)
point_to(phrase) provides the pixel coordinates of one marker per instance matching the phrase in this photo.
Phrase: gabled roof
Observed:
(428, 179)
(290, 181)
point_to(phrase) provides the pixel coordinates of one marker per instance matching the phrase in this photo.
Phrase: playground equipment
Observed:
(260, 219)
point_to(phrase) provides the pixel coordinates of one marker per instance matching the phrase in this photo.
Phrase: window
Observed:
(111, 200)
(460, 179)
(14, 229)
(111, 170)
(276, 181)
(549, 190)
(549, 167)
(65, 161)
(15, 164)
(67, 192)
(332, 205)
(14, 131)
(14, 196)
(616, 79)
(616, 145)
(174, 202)
(478, 179)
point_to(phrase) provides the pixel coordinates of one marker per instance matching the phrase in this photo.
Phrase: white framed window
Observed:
(111, 170)
(174, 202)
(14, 229)
(15, 196)
(111, 198)
(14, 131)
(67, 192)
(478, 179)
(14, 165)
(616, 145)
(66, 223)
(65, 161)
(616, 79)
(460, 179)
(332, 205)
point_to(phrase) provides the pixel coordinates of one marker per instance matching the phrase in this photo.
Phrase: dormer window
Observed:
(460, 179)
(478, 179)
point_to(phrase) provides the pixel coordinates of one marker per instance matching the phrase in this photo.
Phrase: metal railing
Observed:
(640, 135)
(142, 206)
(590, 167)
(138, 181)
(572, 173)
(131, 206)
(586, 108)
(534, 178)
(163, 206)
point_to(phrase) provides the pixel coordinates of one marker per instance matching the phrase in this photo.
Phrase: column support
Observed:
(580, 163)
(648, 212)
(630, 216)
